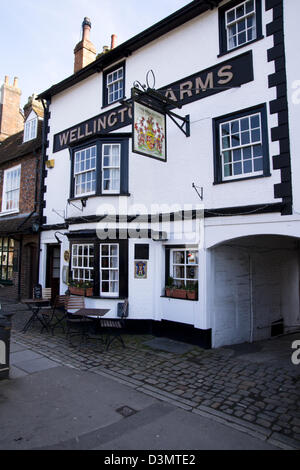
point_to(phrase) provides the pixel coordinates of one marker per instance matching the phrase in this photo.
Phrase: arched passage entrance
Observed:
(255, 288)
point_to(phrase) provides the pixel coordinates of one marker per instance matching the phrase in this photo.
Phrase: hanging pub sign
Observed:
(149, 132)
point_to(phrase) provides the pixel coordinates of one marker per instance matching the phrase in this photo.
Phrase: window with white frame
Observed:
(82, 262)
(11, 189)
(111, 163)
(241, 24)
(30, 129)
(184, 267)
(85, 171)
(242, 147)
(109, 269)
(115, 85)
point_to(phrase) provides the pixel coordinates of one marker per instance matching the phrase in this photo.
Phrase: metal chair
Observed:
(44, 313)
(59, 313)
(115, 326)
(76, 324)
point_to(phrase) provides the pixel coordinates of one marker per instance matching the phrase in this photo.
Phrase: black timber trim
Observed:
(279, 106)
(244, 210)
(171, 22)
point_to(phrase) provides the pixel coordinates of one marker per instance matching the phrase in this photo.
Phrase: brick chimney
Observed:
(85, 51)
(11, 118)
(113, 41)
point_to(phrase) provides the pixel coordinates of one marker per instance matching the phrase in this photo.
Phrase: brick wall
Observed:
(27, 184)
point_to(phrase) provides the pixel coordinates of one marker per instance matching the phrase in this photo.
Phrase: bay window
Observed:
(101, 264)
(100, 168)
(109, 269)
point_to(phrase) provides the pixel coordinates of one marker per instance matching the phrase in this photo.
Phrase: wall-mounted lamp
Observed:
(50, 163)
(83, 201)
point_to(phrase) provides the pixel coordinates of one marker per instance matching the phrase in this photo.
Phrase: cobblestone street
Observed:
(260, 396)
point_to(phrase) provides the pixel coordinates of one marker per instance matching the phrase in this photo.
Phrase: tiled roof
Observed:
(14, 225)
(13, 147)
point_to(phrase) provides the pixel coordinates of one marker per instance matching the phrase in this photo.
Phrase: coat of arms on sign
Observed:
(149, 132)
(140, 269)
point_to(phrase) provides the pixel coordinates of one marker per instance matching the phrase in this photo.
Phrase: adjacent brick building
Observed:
(20, 176)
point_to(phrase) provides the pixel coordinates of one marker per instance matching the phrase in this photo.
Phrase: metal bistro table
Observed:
(92, 313)
(35, 306)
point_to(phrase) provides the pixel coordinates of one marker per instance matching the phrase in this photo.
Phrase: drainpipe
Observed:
(251, 298)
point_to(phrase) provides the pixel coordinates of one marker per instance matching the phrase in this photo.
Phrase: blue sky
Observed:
(38, 36)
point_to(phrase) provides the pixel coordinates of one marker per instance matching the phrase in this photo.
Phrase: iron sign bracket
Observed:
(153, 98)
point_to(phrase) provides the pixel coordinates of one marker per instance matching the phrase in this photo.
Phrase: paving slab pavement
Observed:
(64, 408)
(232, 386)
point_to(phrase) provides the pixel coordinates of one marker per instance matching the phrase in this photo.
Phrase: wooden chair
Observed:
(114, 326)
(76, 324)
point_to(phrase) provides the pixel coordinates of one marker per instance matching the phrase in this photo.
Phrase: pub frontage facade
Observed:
(169, 177)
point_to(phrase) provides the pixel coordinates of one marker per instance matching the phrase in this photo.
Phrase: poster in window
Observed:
(149, 132)
(140, 269)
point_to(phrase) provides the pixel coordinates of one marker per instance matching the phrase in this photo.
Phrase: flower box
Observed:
(86, 291)
(179, 293)
(191, 295)
(169, 291)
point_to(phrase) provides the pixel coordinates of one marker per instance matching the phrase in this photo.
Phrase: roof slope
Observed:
(13, 147)
(176, 19)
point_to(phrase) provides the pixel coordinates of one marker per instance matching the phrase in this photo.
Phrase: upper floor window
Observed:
(101, 168)
(11, 189)
(240, 23)
(30, 127)
(111, 158)
(242, 146)
(85, 171)
(114, 84)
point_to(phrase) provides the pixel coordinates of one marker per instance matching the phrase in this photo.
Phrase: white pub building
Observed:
(184, 199)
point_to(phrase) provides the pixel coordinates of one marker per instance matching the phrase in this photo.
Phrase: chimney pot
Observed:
(85, 51)
(113, 41)
(6, 80)
(16, 82)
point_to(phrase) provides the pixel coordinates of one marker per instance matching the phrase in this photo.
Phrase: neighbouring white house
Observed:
(229, 164)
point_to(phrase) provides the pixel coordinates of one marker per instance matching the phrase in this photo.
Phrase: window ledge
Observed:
(113, 104)
(78, 198)
(96, 297)
(3, 213)
(6, 283)
(240, 47)
(175, 298)
(267, 175)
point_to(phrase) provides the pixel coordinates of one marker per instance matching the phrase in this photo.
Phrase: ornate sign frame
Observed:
(149, 132)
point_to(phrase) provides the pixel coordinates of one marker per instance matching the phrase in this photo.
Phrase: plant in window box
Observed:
(169, 287)
(81, 288)
(179, 292)
(192, 291)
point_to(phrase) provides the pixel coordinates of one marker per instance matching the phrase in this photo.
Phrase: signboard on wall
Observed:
(149, 132)
(140, 269)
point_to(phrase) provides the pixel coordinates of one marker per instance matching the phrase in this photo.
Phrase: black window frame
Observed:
(262, 109)
(123, 263)
(7, 280)
(124, 162)
(105, 102)
(222, 26)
